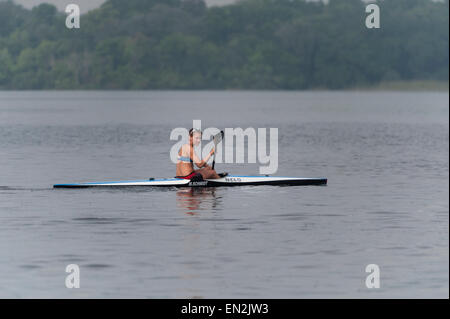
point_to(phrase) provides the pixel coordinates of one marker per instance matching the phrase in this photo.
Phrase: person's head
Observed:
(195, 136)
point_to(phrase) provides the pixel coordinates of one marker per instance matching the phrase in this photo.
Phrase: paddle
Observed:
(217, 139)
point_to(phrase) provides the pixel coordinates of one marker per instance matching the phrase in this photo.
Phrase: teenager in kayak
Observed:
(187, 158)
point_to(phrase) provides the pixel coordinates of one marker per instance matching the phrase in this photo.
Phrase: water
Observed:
(387, 202)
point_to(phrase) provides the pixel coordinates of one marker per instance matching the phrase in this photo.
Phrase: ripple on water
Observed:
(97, 266)
(242, 228)
(30, 266)
(99, 220)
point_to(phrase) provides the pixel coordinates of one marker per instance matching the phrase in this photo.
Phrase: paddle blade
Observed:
(218, 137)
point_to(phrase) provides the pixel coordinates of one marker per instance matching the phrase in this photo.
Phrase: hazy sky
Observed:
(86, 5)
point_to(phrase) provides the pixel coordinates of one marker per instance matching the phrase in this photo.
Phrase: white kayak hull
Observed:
(229, 180)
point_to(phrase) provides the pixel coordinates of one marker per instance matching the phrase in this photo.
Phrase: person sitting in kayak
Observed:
(187, 158)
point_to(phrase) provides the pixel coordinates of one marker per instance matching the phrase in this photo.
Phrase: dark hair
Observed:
(194, 130)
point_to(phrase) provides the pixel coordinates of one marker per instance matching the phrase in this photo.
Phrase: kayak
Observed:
(229, 180)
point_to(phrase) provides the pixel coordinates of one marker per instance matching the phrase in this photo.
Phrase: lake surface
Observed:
(387, 201)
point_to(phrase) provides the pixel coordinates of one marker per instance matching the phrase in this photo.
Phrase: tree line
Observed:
(253, 44)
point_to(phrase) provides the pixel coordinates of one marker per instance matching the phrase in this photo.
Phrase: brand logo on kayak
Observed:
(239, 145)
(203, 183)
(232, 179)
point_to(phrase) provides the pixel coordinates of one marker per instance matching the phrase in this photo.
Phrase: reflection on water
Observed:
(194, 199)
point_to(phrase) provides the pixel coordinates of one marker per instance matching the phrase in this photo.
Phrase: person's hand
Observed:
(212, 151)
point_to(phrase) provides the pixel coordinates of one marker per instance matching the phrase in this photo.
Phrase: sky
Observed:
(86, 5)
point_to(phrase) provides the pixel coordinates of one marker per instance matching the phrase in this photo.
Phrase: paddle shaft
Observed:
(217, 140)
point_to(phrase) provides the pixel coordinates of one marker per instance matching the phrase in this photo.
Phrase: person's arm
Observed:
(204, 162)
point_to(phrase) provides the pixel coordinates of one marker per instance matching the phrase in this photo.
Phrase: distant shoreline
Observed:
(405, 86)
(415, 85)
